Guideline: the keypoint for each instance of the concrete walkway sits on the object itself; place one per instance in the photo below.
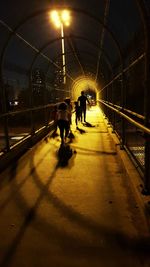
(83, 215)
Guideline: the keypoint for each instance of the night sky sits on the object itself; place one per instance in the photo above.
(123, 22)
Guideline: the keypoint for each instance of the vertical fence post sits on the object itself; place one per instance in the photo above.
(123, 93)
(3, 102)
(31, 103)
(5, 118)
(114, 117)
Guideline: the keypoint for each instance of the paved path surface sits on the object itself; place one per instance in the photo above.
(82, 215)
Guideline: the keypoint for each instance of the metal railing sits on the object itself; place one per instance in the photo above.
(135, 133)
(117, 109)
(23, 131)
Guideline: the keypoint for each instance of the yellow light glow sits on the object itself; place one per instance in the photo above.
(82, 83)
(67, 23)
(65, 16)
(60, 17)
(54, 16)
(57, 24)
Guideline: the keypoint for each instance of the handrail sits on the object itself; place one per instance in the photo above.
(26, 110)
(127, 110)
(137, 124)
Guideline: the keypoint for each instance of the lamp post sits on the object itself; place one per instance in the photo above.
(61, 18)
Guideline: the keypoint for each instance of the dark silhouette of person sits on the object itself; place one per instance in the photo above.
(63, 121)
(82, 99)
(77, 113)
(69, 108)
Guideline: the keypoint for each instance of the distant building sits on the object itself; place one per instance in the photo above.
(38, 80)
(58, 81)
(38, 86)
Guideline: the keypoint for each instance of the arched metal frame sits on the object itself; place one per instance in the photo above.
(41, 51)
(92, 55)
(45, 10)
(66, 37)
(13, 32)
(145, 19)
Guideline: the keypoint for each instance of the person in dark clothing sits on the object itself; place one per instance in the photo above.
(77, 113)
(82, 99)
(69, 107)
(63, 117)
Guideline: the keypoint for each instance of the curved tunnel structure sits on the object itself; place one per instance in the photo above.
(107, 54)
(86, 84)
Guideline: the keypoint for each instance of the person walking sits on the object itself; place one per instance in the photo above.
(82, 99)
(77, 113)
(69, 108)
(63, 121)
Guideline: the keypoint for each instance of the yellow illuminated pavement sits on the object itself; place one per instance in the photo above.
(82, 215)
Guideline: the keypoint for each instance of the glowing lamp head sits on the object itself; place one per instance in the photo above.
(60, 17)
(55, 18)
(65, 17)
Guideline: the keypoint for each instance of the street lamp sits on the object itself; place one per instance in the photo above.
(61, 18)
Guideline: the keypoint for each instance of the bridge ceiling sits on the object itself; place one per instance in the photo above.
(100, 31)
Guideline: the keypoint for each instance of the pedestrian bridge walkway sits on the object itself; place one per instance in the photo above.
(85, 214)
